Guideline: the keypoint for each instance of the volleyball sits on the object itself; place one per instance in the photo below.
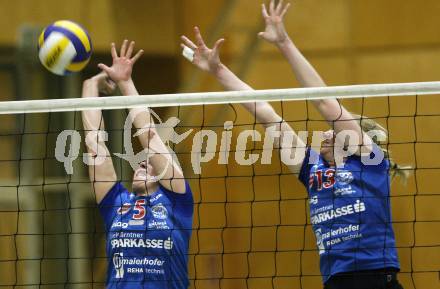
(64, 47)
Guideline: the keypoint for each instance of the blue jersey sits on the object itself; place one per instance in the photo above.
(147, 238)
(350, 213)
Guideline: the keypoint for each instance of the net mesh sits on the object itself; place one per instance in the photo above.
(251, 225)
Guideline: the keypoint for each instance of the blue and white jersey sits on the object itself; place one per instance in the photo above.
(350, 214)
(147, 238)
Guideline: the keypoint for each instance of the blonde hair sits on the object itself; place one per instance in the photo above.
(368, 124)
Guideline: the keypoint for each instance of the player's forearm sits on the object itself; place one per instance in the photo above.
(304, 72)
(263, 111)
(144, 124)
(140, 116)
(330, 109)
(93, 123)
(307, 76)
(127, 87)
(92, 119)
(229, 80)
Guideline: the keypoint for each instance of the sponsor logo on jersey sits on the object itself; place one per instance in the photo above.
(123, 234)
(344, 191)
(313, 200)
(135, 265)
(340, 231)
(142, 243)
(162, 225)
(338, 212)
(118, 264)
(126, 207)
(142, 261)
(136, 222)
(336, 236)
(120, 225)
(159, 211)
(344, 177)
(319, 241)
(155, 198)
(321, 209)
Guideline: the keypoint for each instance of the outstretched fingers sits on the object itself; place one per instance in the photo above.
(279, 7)
(123, 48)
(188, 42)
(137, 56)
(217, 45)
(272, 7)
(264, 11)
(199, 38)
(104, 67)
(130, 49)
(286, 8)
(113, 51)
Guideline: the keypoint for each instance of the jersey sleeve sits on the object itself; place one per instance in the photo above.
(113, 200)
(183, 203)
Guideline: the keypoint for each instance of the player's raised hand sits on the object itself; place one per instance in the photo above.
(274, 31)
(103, 84)
(199, 54)
(122, 66)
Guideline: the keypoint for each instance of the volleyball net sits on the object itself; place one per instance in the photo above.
(251, 226)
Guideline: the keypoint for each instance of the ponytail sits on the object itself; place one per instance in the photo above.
(367, 124)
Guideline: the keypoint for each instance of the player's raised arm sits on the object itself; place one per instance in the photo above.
(164, 166)
(208, 60)
(335, 114)
(101, 171)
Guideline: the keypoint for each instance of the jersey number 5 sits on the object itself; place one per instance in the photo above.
(139, 208)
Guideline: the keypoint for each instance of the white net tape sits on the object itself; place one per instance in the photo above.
(183, 99)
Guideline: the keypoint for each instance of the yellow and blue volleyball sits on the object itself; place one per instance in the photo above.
(64, 47)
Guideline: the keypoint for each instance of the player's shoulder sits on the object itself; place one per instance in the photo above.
(313, 159)
(179, 198)
(373, 161)
(117, 193)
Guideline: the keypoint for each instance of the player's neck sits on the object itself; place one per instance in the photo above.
(150, 189)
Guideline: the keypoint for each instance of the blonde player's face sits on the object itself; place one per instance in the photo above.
(140, 180)
(327, 146)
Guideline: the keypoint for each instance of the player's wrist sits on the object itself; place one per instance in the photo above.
(283, 42)
(127, 86)
(123, 83)
(97, 79)
(93, 81)
(88, 82)
(218, 69)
